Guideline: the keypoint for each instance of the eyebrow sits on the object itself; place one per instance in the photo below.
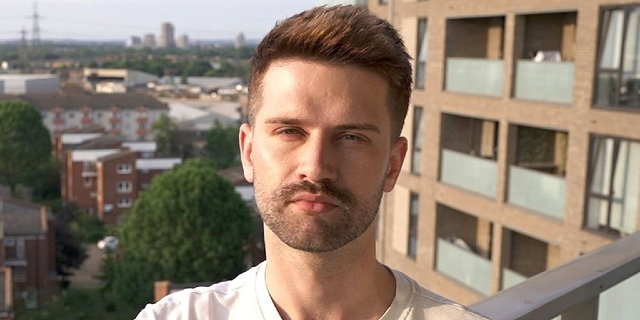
(347, 126)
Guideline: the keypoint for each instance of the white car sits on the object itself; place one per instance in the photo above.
(109, 242)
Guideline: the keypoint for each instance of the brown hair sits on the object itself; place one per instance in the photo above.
(342, 35)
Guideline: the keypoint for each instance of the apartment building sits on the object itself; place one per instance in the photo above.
(524, 139)
(28, 271)
(104, 175)
(127, 115)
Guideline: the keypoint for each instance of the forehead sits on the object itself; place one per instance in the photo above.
(307, 88)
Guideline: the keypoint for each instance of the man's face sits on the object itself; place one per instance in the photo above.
(320, 152)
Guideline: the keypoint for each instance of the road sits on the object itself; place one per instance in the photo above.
(90, 269)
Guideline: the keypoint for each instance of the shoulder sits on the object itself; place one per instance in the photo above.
(213, 302)
(424, 304)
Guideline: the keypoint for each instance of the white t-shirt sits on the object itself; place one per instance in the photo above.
(247, 297)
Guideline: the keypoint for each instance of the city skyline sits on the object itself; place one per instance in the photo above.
(118, 20)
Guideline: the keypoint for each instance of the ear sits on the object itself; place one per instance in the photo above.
(398, 152)
(246, 151)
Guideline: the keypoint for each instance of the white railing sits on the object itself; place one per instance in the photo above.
(537, 191)
(603, 284)
(464, 266)
(469, 172)
(475, 76)
(545, 81)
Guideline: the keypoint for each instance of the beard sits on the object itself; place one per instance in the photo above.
(311, 232)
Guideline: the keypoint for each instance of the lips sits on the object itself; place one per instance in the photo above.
(314, 203)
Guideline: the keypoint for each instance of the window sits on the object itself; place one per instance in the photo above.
(20, 248)
(99, 115)
(416, 147)
(123, 168)
(87, 181)
(142, 137)
(115, 126)
(9, 242)
(20, 274)
(423, 47)
(145, 186)
(414, 207)
(618, 69)
(614, 185)
(124, 186)
(71, 114)
(143, 126)
(124, 202)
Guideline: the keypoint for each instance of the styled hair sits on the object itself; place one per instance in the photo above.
(342, 35)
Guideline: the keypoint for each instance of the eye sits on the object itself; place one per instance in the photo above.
(289, 133)
(352, 138)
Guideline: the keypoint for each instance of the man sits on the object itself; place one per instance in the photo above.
(328, 95)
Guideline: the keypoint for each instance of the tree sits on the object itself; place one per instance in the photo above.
(222, 146)
(69, 250)
(190, 226)
(165, 136)
(25, 144)
(170, 141)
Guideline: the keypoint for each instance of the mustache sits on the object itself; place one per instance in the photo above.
(342, 196)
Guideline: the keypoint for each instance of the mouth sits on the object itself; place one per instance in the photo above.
(314, 203)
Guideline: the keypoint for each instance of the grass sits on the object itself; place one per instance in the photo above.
(80, 304)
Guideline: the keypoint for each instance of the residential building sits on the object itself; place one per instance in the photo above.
(240, 41)
(134, 42)
(104, 175)
(183, 42)
(127, 115)
(167, 37)
(29, 253)
(524, 140)
(149, 40)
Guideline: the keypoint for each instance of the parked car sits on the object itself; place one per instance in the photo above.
(109, 243)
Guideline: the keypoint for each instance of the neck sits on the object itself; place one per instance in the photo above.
(332, 285)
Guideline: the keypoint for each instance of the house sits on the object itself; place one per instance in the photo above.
(105, 175)
(29, 252)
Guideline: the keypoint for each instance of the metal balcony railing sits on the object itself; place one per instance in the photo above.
(603, 284)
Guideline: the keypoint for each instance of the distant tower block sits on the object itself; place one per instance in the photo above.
(167, 38)
(134, 42)
(149, 40)
(240, 41)
(183, 42)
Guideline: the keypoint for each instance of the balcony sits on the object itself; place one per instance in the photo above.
(475, 76)
(464, 266)
(537, 191)
(469, 172)
(600, 285)
(545, 81)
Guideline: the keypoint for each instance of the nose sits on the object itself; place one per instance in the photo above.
(317, 160)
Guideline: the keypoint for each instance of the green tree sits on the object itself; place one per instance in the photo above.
(222, 146)
(69, 250)
(25, 144)
(190, 226)
(171, 142)
(164, 130)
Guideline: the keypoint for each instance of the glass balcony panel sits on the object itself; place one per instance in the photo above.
(470, 173)
(510, 278)
(536, 191)
(545, 81)
(621, 301)
(475, 76)
(464, 266)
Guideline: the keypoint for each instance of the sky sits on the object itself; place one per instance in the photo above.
(120, 19)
